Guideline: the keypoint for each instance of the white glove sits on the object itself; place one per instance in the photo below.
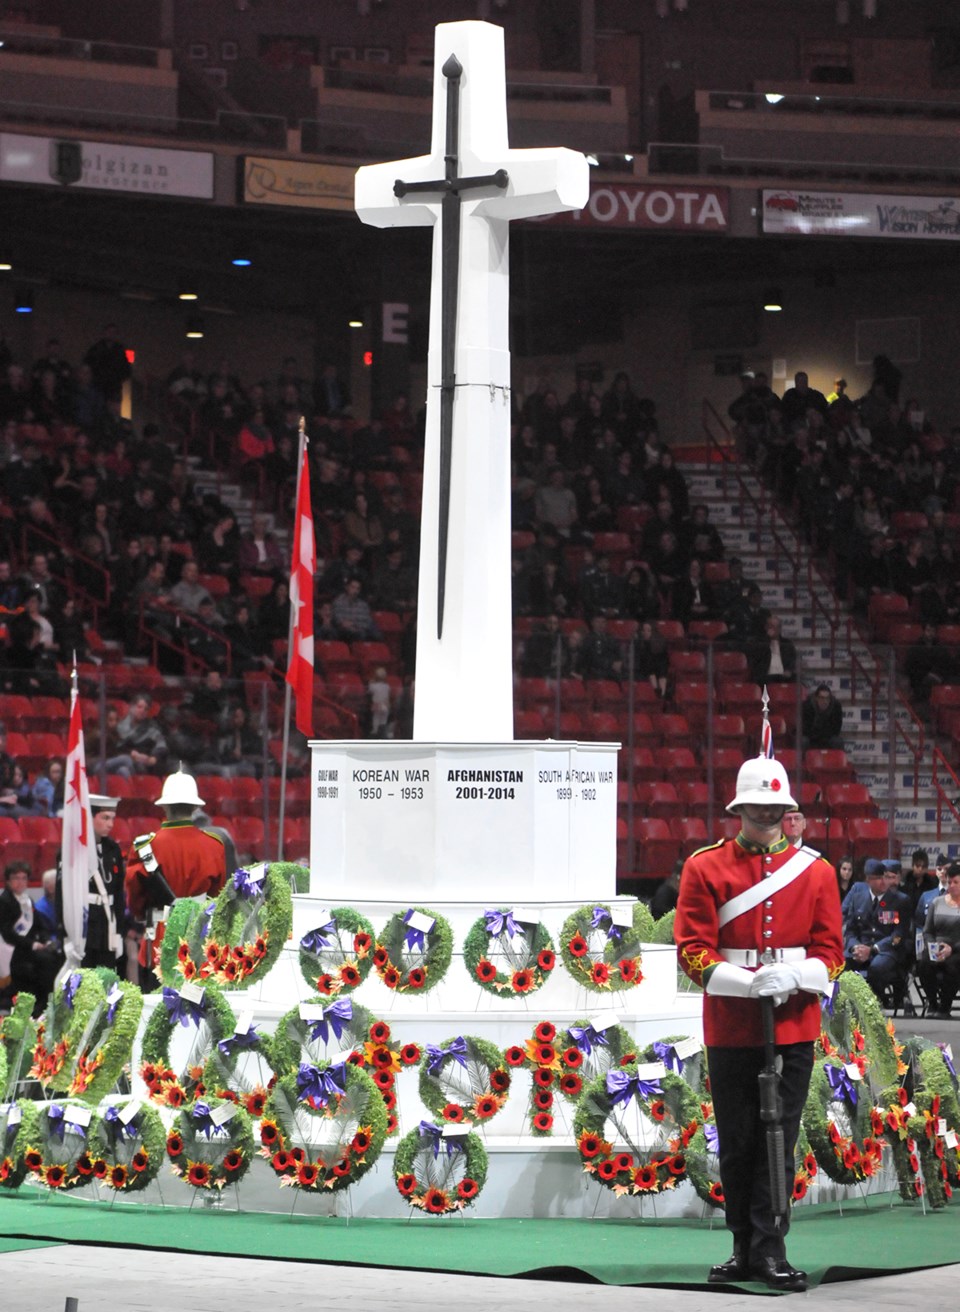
(814, 977)
(729, 981)
(777, 980)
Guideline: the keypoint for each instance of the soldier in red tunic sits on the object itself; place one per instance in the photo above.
(756, 917)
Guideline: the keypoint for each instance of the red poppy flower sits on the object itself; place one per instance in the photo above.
(627, 1058)
(628, 970)
(307, 1175)
(361, 1142)
(118, 1175)
(573, 1058)
(918, 1188)
(546, 1054)
(589, 1145)
(914, 1163)
(607, 1170)
(903, 1096)
(269, 1134)
(657, 1109)
(389, 1099)
(383, 1079)
(677, 1164)
(260, 946)
(716, 1192)
(350, 975)
(515, 1056)
(499, 1080)
(467, 1189)
(545, 1032)
(342, 1169)
(391, 977)
(355, 1058)
(175, 1096)
(298, 1155)
(281, 1161)
(174, 1145)
(84, 1166)
(233, 1160)
(229, 970)
(624, 1161)
(645, 1178)
(380, 956)
(600, 972)
(392, 1124)
(381, 1057)
(189, 970)
(406, 1184)
(255, 1102)
(361, 943)
(148, 1072)
(485, 1107)
(578, 946)
(522, 981)
(799, 1188)
(547, 959)
(139, 1161)
(324, 985)
(212, 952)
(542, 1099)
(571, 1084)
(183, 951)
(199, 1175)
(810, 1165)
(453, 1112)
(485, 971)
(436, 1201)
(543, 1077)
(417, 978)
(6, 1166)
(851, 1156)
(876, 1121)
(99, 1168)
(410, 1054)
(893, 1120)
(379, 1031)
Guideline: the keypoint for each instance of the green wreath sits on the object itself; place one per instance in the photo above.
(125, 1152)
(58, 1155)
(336, 957)
(463, 1079)
(104, 1048)
(19, 1128)
(208, 1153)
(527, 951)
(662, 931)
(410, 960)
(439, 1175)
(341, 1100)
(64, 1023)
(187, 927)
(225, 1070)
(251, 922)
(599, 955)
(213, 1020)
(18, 1036)
(890, 1119)
(664, 1104)
(913, 1132)
(837, 1117)
(854, 1028)
(561, 1062)
(339, 1027)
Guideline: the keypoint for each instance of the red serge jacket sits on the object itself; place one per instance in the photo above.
(805, 914)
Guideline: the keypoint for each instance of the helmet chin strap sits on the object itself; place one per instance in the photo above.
(757, 830)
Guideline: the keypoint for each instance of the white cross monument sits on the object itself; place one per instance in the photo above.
(470, 186)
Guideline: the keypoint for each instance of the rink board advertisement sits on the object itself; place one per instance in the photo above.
(834, 213)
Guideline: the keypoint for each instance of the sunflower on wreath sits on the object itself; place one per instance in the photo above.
(204, 1017)
(19, 1128)
(463, 1080)
(124, 1147)
(104, 1048)
(335, 958)
(507, 957)
(562, 1060)
(58, 1155)
(599, 953)
(72, 1003)
(251, 921)
(439, 1173)
(181, 956)
(323, 1127)
(413, 950)
(649, 1111)
(837, 1117)
(210, 1145)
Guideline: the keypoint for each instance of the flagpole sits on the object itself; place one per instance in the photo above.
(301, 448)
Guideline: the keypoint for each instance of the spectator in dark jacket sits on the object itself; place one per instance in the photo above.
(822, 719)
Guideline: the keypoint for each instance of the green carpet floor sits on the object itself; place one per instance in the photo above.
(866, 1240)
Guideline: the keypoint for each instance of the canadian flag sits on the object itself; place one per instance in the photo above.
(78, 852)
(300, 666)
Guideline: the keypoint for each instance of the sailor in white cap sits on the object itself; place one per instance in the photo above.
(106, 913)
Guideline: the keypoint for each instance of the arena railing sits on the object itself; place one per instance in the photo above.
(945, 803)
(33, 538)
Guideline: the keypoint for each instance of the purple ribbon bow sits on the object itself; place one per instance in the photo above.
(829, 1000)
(587, 1038)
(498, 921)
(946, 1058)
(181, 1010)
(239, 1042)
(248, 884)
(205, 919)
(434, 1134)
(712, 1136)
(414, 938)
(334, 1018)
(624, 1087)
(457, 1049)
(202, 1115)
(316, 940)
(56, 1115)
(70, 986)
(317, 1087)
(114, 998)
(600, 914)
(112, 1117)
(666, 1053)
(841, 1085)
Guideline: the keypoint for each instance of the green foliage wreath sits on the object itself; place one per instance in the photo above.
(207, 1153)
(182, 955)
(72, 1003)
(562, 1060)
(411, 961)
(336, 957)
(438, 1175)
(344, 1026)
(839, 1121)
(495, 940)
(464, 1079)
(18, 1035)
(209, 1021)
(599, 955)
(251, 922)
(19, 1128)
(59, 1154)
(125, 1152)
(105, 1046)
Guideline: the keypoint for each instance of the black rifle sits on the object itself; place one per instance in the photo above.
(771, 1113)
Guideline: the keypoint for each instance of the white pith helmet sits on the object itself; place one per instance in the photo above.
(762, 781)
(179, 789)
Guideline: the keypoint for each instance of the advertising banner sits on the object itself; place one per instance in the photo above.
(832, 214)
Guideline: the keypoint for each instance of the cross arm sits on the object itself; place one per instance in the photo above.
(376, 202)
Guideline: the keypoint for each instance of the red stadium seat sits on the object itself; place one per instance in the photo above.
(828, 766)
(690, 832)
(640, 764)
(39, 829)
(694, 796)
(869, 837)
(658, 800)
(684, 664)
(885, 609)
(528, 725)
(601, 727)
(849, 801)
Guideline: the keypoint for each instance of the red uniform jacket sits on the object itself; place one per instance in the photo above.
(191, 860)
(805, 914)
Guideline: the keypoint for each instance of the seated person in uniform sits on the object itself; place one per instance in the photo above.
(877, 932)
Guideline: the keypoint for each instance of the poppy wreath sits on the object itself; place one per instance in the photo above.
(58, 1034)
(59, 1154)
(890, 1118)
(854, 1028)
(337, 1028)
(19, 1127)
(346, 1106)
(665, 1109)
(497, 940)
(464, 1079)
(411, 960)
(107, 1042)
(703, 1169)
(18, 1037)
(922, 1137)
(335, 958)
(599, 955)
(239, 1069)
(437, 1175)
(383, 1059)
(125, 1152)
(251, 922)
(562, 1061)
(837, 1117)
(207, 1151)
(206, 1022)
(181, 953)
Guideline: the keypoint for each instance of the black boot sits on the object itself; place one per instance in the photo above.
(736, 1267)
(777, 1273)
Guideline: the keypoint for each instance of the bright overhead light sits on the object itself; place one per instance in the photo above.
(773, 301)
(195, 327)
(23, 301)
(773, 97)
(240, 261)
(186, 293)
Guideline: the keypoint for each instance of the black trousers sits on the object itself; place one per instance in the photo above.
(744, 1173)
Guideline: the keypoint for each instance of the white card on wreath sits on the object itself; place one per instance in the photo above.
(941, 1126)
(601, 1023)
(911, 1109)
(651, 1070)
(526, 916)
(621, 915)
(310, 1011)
(14, 1115)
(685, 1048)
(418, 921)
(324, 917)
(244, 1021)
(853, 1070)
(191, 992)
(126, 1114)
(455, 1131)
(226, 1112)
(950, 1139)
(78, 1116)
